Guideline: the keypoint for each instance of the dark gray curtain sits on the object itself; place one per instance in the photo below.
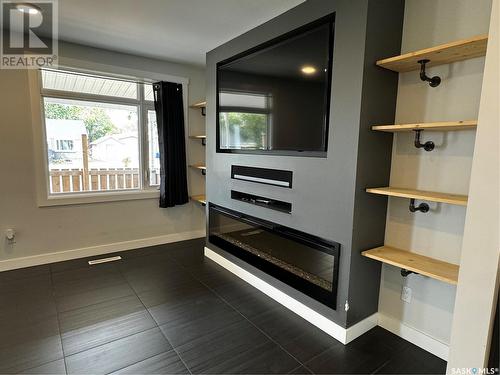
(170, 119)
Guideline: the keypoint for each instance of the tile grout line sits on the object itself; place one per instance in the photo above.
(134, 293)
(50, 272)
(126, 336)
(58, 319)
(121, 368)
(381, 366)
(93, 304)
(296, 368)
(176, 259)
(112, 341)
(259, 329)
(58, 326)
(303, 364)
(252, 323)
(157, 326)
(109, 342)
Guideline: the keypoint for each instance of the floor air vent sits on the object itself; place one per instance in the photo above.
(104, 260)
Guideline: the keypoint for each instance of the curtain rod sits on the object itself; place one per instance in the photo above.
(96, 75)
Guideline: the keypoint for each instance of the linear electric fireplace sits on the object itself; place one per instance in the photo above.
(305, 262)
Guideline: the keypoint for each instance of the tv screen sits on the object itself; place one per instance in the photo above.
(275, 98)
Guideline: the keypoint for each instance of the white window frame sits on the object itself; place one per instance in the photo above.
(59, 142)
(37, 94)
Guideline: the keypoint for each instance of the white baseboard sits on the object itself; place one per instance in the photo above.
(333, 329)
(361, 327)
(416, 337)
(58, 256)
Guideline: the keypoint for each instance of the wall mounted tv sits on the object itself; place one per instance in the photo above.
(275, 98)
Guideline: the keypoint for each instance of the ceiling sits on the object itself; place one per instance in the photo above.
(175, 30)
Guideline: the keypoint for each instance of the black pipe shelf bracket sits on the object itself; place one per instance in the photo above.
(204, 172)
(427, 146)
(433, 81)
(405, 272)
(422, 207)
(203, 141)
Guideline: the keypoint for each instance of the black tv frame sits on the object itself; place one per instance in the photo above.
(329, 19)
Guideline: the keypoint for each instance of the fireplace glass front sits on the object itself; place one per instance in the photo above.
(303, 261)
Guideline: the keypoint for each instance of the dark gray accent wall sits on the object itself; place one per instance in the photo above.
(328, 193)
(378, 106)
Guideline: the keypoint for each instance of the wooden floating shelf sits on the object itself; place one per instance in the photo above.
(433, 126)
(201, 137)
(420, 264)
(200, 199)
(443, 54)
(199, 166)
(198, 105)
(460, 200)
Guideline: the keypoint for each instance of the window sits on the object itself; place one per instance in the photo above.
(64, 145)
(100, 134)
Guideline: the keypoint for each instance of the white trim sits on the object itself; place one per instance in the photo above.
(39, 138)
(98, 197)
(333, 329)
(361, 327)
(263, 180)
(35, 260)
(421, 339)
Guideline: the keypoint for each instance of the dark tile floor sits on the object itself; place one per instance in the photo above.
(167, 310)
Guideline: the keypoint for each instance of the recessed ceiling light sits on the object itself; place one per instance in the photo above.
(28, 8)
(308, 69)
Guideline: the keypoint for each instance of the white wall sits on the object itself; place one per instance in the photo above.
(478, 280)
(438, 233)
(56, 229)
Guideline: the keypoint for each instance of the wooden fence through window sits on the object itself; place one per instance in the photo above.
(73, 180)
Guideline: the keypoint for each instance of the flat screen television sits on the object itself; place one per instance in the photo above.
(275, 98)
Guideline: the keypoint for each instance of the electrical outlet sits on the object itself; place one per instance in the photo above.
(406, 294)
